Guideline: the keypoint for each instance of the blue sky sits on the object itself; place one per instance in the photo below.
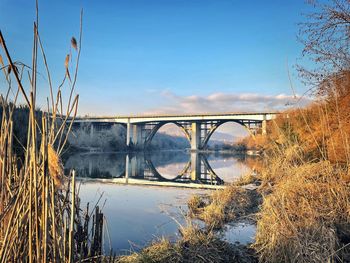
(142, 56)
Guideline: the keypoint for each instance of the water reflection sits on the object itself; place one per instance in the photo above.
(137, 214)
(181, 167)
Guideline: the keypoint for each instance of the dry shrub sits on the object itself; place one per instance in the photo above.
(300, 220)
(322, 128)
(254, 143)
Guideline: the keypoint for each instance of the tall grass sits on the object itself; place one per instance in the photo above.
(39, 212)
(305, 215)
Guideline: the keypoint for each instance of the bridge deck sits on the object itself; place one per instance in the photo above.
(258, 116)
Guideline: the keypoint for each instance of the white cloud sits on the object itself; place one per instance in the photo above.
(225, 102)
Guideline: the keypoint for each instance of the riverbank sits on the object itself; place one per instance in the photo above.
(301, 210)
(195, 245)
(235, 203)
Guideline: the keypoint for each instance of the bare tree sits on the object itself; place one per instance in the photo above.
(326, 39)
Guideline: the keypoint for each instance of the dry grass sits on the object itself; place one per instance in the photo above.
(40, 218)
(248, 178)
(223, 206)
(161, 251)
(304, 216)
(195, 245)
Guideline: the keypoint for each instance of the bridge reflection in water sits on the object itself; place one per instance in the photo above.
(181, 167)
(196, 170)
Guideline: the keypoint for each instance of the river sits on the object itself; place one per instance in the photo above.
(144, 195)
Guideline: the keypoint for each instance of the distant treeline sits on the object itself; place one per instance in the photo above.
(237, 147)
(107, 139)
(114, 139)
(166, 141)
(20, 118)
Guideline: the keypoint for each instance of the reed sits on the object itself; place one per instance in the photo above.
(40, 218)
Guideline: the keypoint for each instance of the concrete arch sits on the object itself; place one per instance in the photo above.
(185, 170)
(159, 176)
(212, 172)
(153, 132)
(215, 127)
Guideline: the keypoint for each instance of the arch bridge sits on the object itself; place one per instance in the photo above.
(198, 128)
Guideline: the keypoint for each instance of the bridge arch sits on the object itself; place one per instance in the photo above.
(163, 178)
(156, 128)
(218, 125)
(186, 174)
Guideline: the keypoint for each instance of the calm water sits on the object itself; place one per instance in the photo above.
(137, 214)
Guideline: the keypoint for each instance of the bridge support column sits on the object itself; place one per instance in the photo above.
(137, 166)
(195, 166)
(133, 164)
(195, 136)
(263, 126)
(128, 134)
(134, 135)
(91, 130)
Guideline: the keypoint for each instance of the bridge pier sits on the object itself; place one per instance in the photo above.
(137, 169)
(195, 166)
(195, 136)
(134, 135)
(92, 131)
(134, 167)
(127, 168)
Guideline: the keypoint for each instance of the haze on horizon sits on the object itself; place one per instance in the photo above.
(154, 56)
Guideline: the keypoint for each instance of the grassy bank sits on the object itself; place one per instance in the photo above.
(203, 244)
(223, 206)
(194, 245)
(305, 214)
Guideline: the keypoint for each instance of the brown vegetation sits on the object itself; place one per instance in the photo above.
(222, 206)
(40, 219)
(305, 212)
(195, 245)
(305, 215)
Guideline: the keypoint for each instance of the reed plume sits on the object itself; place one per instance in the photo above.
(39, 215)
